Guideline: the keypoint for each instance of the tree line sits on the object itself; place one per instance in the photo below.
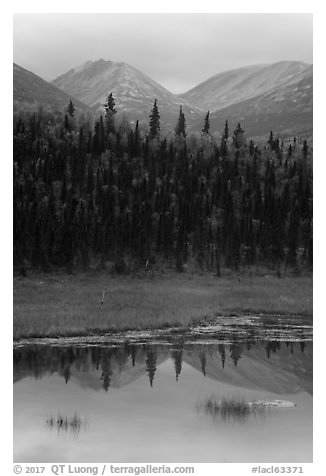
(109, 191)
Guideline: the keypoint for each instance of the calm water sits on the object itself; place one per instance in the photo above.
(145, 402)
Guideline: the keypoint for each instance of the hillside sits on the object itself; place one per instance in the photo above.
(31, 90)
(287, 108)
(231, 87)
(133, 91)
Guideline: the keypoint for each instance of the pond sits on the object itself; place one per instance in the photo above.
(141, 399)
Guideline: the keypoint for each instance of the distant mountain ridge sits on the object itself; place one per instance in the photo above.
(285, 109)
(30, 89)
(230, 87)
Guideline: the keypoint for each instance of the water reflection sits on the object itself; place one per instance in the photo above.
(117, 365)
(139, 401)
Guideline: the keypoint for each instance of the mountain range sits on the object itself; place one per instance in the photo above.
(262, 97)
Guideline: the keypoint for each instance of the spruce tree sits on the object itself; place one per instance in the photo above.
(180, 128)
(226, 130)
(71, 109)
(271, 140)
(238, 136)
(154, 121)
(110, 112)
(206, 127)
(110, 104)
(305, 149)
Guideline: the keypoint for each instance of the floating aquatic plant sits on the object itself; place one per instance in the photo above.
(226, 409)
(65, 423)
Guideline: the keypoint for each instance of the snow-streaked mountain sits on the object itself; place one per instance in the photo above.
(29, 89)
(284, 109)
(230, 87)
(133, 91)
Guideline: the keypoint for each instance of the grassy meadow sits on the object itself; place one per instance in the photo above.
(70, 305)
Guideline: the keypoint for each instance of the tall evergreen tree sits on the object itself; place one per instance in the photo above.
(71, 109)
(206, 127)
(110, 112)
(226, 130)
(154, 121)
(238, 136)
(180, 128)
(110, 104)
(305, 149)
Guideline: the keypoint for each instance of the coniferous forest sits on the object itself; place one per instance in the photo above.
(104, 191)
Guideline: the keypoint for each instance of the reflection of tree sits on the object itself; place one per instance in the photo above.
(202, 357)
(151, 358)
(235, 352)
(272, 346)
(177, 357)
(302, 346)
(250, 341)
(106, 370)
(67, 374)
(133, 354)
(291, 345)
(67, 358)
(82, 360)
(221, 350)
(96, 355)
(121, 356)
(71, 355)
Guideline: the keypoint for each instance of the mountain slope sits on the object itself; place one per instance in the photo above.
(28, 88)
(133, 91)
(230, 87)
(287, 108)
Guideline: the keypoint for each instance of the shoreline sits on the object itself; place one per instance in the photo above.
(90, 304)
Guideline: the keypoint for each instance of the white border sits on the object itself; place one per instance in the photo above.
(319, 178)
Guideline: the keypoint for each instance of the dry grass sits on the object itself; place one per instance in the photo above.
(66, 305)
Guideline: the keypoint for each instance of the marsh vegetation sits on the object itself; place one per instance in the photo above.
(227, 409)
(70, 305)
(66, 424)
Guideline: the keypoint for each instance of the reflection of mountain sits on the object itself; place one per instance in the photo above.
(272, 366)
(90, 367)
(119, 375)
(282, 372)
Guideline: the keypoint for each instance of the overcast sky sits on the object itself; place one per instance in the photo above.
(177, 50)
